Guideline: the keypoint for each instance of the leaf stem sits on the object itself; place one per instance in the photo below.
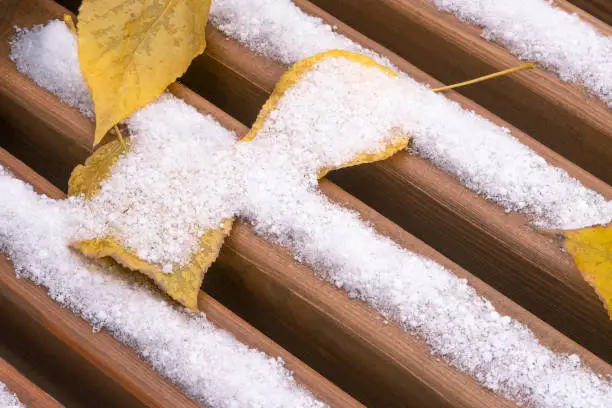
(529, 65)
(120, 137)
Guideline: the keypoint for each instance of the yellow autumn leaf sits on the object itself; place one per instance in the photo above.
(591, 249)
(130, 51)
(295, 74)
(183, 285)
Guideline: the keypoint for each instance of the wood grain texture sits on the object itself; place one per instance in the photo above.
(379, 363)
(27, 392)
(562, 116)
(503, 249)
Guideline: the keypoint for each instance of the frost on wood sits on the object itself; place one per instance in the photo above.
(340, 108)
(8, 399)
(537, 30)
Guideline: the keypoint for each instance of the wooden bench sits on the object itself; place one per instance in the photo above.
(344, 340)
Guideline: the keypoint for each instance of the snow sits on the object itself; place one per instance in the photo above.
(207, 363)
(484, 157)
(8, 399)
(339, 109)
(280, 30)
(128, 201)
(537, 30)
(36, 51)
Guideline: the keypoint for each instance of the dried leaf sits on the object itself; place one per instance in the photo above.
(295, 74)
(70, 24)
(130, 51)
(183, 285)
(591, 249)
(86, 179)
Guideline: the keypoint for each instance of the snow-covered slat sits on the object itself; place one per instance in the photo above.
(135, 380)
(286, 294)
(501, 248)
(32, 306)
(24, 391)
(562, 116)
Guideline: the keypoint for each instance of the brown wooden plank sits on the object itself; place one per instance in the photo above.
(559, 115)
(601, 9)
(28, 393)
(502, 249)
(378, 362)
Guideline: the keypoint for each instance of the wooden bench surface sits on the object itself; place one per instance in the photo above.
(502, 249)
(562, 116)
(342, 339)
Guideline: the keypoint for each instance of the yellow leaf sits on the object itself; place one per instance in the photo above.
(70, 23)
(130, 51)
(86, 179)
(591, 249)
(295, 74)
(183, 285)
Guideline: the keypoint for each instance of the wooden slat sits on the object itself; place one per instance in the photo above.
(28, 393)
(346, 340)
(503, 249)
(117, 361)
(559, 115)
(601, 9)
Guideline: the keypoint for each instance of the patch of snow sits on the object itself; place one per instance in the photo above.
(8, 399)
(207, 363)
(35, 50)
(486, 158)
(539, 31)
(280, 30)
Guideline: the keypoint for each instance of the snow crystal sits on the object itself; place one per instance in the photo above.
(207, 363)
(340, 108)
(537, 30)
(486, 158)
(8, 399)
